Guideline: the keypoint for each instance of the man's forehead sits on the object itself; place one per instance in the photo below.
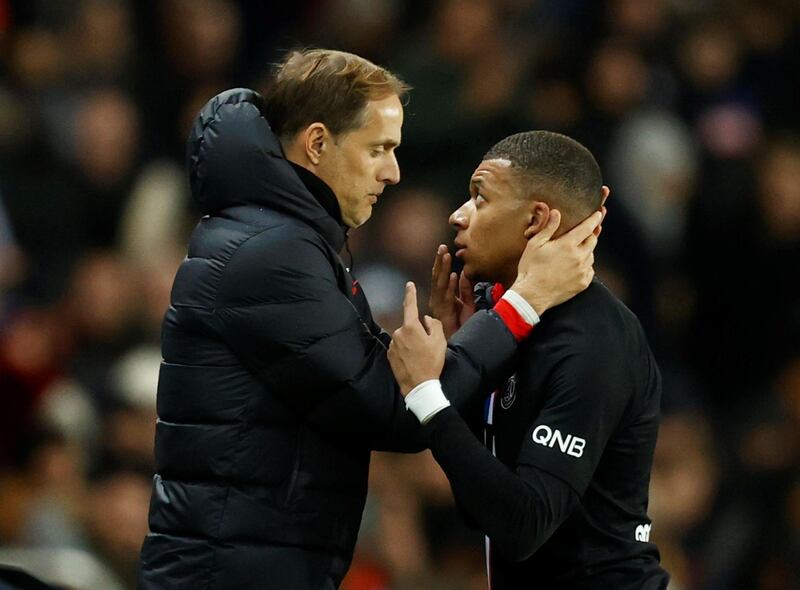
(383, 121)
(388, 108)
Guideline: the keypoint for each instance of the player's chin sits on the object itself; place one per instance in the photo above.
(471, 272)
(479, 273)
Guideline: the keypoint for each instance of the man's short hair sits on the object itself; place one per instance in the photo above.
(557, 170)
(327, 86)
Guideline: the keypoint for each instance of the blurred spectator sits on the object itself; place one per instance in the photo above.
(652, 166)
(12, 260)
(465, 82)
(616, 83)
(33, 355)
(130, 417)
(742, 252)
(412, 225)
(118, 501)
(398, 247)
(191, 58)
(703, 532)
(363, 27)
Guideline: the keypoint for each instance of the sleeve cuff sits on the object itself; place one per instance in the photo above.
(426, 400)
(517, 314)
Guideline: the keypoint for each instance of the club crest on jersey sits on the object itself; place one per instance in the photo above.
(509, 392)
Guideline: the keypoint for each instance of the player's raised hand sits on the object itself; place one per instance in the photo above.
(443, 302)
(417, 351)
(451, 301)
(466, 299)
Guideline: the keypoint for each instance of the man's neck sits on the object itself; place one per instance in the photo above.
(295, 154)
(320, 191)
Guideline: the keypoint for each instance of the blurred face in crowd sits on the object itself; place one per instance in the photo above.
(685, 474)
(617, 78)
(358, 164)
(465, 29)
(491, 225)
(117, 517)
(411, 226)
(201, 36)
(779, 191)
(107, 136)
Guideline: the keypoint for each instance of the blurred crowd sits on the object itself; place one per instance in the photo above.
(692, 108)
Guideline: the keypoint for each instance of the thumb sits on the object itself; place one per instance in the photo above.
(433, 327)
(553, 221)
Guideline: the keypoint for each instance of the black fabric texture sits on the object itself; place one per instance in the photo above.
(517, 514)
(573, 428)
(275, 385)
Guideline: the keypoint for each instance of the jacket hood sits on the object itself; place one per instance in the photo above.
(233, 158)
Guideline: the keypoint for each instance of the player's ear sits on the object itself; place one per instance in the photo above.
(604, 195)
(538, 214)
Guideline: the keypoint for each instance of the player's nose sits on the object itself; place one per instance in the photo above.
(459, 218)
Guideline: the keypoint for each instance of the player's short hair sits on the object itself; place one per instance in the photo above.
(556, 169)
(327, 86)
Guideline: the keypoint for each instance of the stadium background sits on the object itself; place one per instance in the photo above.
(691, 107)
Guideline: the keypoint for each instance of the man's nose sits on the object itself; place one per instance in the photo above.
(459, 218)
(390, 173)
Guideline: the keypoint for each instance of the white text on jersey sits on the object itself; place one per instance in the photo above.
(548, 437)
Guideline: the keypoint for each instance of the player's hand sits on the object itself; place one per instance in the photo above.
(466, 299)
(452, 301)
(553, 271)
(417, 350)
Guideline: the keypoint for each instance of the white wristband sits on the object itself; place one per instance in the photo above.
(523, 308)
(426, 400)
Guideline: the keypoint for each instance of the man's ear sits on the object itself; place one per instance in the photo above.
(314, 139)
(539, 214)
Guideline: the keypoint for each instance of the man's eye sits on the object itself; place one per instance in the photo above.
(479, 199)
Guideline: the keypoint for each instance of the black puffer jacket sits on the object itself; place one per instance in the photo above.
(275, 384)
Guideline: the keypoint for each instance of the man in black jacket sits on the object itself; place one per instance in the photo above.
(275, 384)
(560, 485)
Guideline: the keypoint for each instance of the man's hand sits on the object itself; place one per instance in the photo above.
(450, 308)
(416, 352)
(552, 271)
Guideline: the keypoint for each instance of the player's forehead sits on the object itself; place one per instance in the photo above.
(490, 172)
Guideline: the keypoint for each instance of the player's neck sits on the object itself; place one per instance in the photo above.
(507, 278)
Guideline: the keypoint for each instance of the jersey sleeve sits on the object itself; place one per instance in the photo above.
(585, 398)
(517, 511)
